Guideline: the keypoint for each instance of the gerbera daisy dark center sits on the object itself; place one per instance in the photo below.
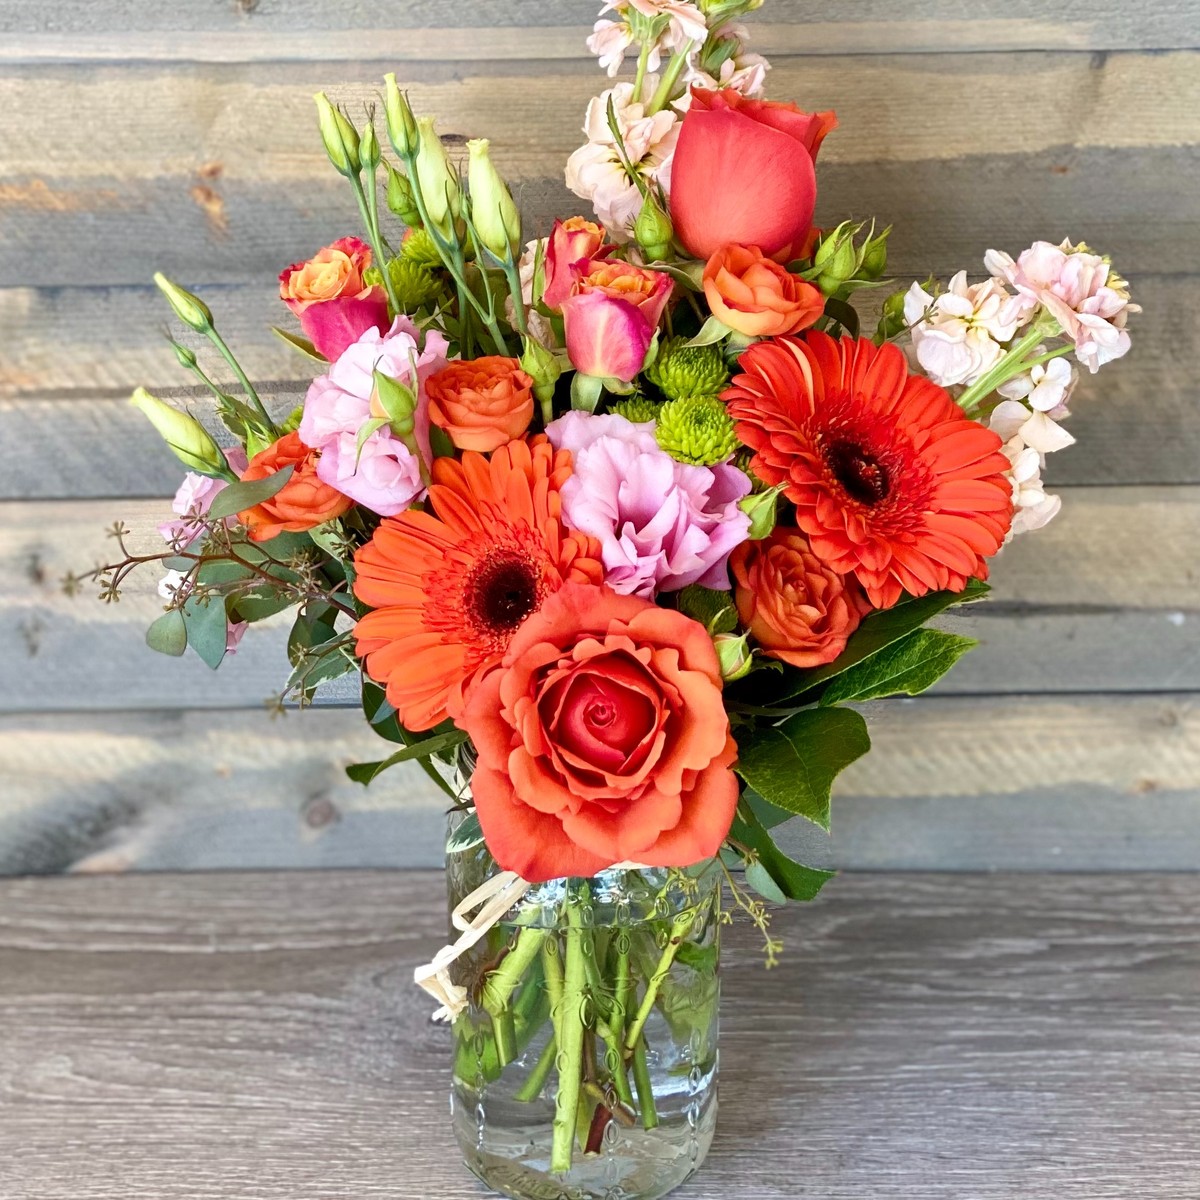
(863, 476)
(502, 591)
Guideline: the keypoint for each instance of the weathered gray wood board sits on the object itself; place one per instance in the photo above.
(932, 1037)
(1016, 782)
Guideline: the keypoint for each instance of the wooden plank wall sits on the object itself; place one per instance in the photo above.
(155, 134)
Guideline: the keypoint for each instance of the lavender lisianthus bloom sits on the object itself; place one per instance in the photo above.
(383, 474)
(661, 524)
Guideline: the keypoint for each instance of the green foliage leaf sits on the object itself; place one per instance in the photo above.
(908, 666)
(773, 874)
(299, 343)
(237, 497)
(168, 635)
(713, 609)
(846, 315)
(711, 332)
(314, 626)
(383, 719)
(365, 772)
(793, 765)
(207, 629)
(467, 836)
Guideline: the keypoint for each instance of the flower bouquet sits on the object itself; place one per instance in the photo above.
(618, 526)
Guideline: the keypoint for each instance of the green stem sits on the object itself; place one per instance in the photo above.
(640, 78)
(670, 78)
(512, 275)
(368, 206)
(531, 1089)
(680, 927)
(499, 986)
(1010, 365)
(644, 1085)
(570, 1041)
(1044, 358)
(228, 355)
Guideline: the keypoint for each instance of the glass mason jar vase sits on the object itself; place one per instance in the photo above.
(586, 1062)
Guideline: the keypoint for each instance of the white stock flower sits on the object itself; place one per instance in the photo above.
(1046, 387)
(743, 71)
(595, 172)
(1078, 289)
(1028, 438)
(680, 22)
(609, 42)
(958, 334)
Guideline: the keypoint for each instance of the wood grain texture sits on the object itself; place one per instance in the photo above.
(199, 171)
(248, 30)
(940, 1037)
(1017, 782)
(67, 411)
(1088, 624)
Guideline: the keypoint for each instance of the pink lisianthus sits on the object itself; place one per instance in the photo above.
(661, 524)
(234, 632)
(328, 294)
(611, 315)
(193, 500)
(1078, 289)
(383, 474)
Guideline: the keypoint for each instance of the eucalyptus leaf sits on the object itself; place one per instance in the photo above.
(364, 773)
(238, 497)
(907, 667)
(772, 873)
(207, 629)
(793, 765)
(467, 836)
(168, 635)
(299, 343)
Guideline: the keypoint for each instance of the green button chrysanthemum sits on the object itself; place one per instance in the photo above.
(697, 430)
(418, 247)
(414, 285)
(681, 370)
(637, 408)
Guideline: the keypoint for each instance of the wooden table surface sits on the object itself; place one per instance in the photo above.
(257, 1037)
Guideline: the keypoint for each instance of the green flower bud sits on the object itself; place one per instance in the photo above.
(760, 508)
(401, 124)
(697, 430)
(188, 439)
(293, 421)
(436, 178)
(497, 219)
(837, 258)
(420, 248)
(190, 309)
(400, 198)
(653, 230)
(187, 357)
(874, 255)
(637, 408)
(543, 367)
(892, 321)
(733, 653)
(339, 136)
(681, 370)
(368, 147)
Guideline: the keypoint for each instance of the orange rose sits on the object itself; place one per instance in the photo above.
(481, 403)
(797, 608)
(757, 297)
(302, 503)
(602, 737)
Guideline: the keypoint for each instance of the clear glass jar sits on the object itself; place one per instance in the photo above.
(586, 1063)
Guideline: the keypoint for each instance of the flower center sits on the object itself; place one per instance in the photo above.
(863, 476)
(502, 591)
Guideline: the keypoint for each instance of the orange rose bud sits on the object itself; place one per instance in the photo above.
(750, 293)
(798, 609)
(302, 503)
(482, 403)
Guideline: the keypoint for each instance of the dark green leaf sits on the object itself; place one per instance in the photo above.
(793, 765)
(365, 772)
(207, 629)
(314, 626)
(238, 497)
(772, 874)
(908, 666)
(467, 836)
(713, 609)
(846, 315)
(168, 635)
(768, 814)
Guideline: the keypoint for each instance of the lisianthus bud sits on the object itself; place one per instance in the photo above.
(543, 368)
(681, 370)
(733, 654)
(368, 147)
(187, 357)
(636, 408)
(653, 230)
(400, 198)
(402, 126)
(436, 177)
(188, 439)
(497, 219)
(696, 430)
(892, 321)
(760, 507)
(396, 403)
(190, 309)
(339, 136)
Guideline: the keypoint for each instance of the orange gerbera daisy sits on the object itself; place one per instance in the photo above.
(892, 482)
(449, 590)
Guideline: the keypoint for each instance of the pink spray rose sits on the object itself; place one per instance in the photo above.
(327, 293)
(193, 500)
(610, 316)
(574, 240)
(662, 524)
(383, 474)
